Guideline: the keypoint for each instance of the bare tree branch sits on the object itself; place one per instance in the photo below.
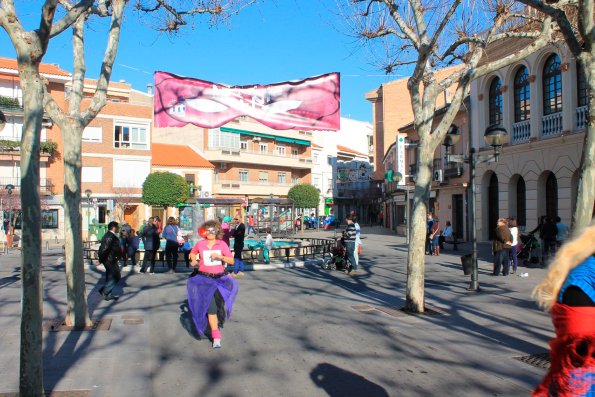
(73, 13)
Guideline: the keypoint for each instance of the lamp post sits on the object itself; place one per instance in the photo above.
(9, 188)
(495, 135)
(88, 194)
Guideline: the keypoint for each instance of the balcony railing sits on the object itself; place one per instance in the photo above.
(582, 114)
(552, 124)
(45, 184)
(521, 131)
(256, 157)
(453, 170)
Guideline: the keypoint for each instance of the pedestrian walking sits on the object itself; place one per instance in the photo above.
(501, 247)
(539, 230)
(251, 228)
(211, 293)
(514, 232)
(238, 246)
(435, 230)
(173, 240)
(186, 248)
(358, 240)
(550, 232)
(109, 254)
(429, 224)
(226, 229)
(563, 232)
(568, 293)
(124, 245)
(132, 246)
(268, 246)
(151, 243)
(349, 239)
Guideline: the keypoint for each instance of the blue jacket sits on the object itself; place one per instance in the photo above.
(151, 238)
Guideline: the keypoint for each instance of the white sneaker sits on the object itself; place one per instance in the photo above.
(217, 343)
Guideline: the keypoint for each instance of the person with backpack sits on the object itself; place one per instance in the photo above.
(172, 235)
(109, 254)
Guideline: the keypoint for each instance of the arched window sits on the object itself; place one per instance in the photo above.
(521, 202)
(552, 86)
(495, 102)
(581, 86)
(522, 95)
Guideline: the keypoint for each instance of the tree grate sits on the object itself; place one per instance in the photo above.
(57, 393)
(133, 319)
(60, 325)
(397, 312)
(540, 360)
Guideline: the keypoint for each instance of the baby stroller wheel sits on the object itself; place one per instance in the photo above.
(325, 264)
(332, 265)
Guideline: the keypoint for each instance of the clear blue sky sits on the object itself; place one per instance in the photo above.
(272, 41)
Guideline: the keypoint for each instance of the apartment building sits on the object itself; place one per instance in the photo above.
(542, 102)
(343, 172)
(188, 163)
(51, 179)
(391, 110)
(250, 159)
(117, 156)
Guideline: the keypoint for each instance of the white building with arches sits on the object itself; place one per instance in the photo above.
(542, 103)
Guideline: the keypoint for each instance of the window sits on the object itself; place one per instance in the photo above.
(552, 86)
(263, 148)
(330, 183)
(294, 153)
(190, 178)
(295, 180)
(522, 95)
(581, 86)
(281, 150)
(263, 177)
(315, 158)
(243, 175)
(281, 177)
(131, 173)
(329, 160)
(316, 182)
(131, 137)
(49, 219)
(223, 140)
(495, 102)
(92, 134)
(216, 176)
(243, 144)
(91, 174)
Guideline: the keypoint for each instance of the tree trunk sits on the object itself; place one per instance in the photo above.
(31, 353)
(416, 256)
(77, 313)
(585, 199)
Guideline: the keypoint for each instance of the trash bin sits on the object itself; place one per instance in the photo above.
(96, 231)
(467, 262)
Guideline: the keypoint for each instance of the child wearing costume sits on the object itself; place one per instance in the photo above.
(211, 293)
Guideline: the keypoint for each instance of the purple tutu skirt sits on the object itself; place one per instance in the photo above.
(201, 291)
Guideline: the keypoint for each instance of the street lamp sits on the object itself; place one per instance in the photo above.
(9, 188)
(495, 135)
(88, 194)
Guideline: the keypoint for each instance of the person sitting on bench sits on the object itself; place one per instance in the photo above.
(449, 235)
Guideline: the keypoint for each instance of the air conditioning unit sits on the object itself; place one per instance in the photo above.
(206, 194)
(438, 176)
(256, 139)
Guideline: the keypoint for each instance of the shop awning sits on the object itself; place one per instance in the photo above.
(269, 136)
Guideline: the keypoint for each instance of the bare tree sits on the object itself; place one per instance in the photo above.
(31, 47)
(575, 21)
(427, 36)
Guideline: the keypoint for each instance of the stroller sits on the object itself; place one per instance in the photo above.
(338, 259)
(528, 250)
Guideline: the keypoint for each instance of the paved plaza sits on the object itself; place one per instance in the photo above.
(294, 332)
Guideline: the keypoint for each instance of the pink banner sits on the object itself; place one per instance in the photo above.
(310, 104)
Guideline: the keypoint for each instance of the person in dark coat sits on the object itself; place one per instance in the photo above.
(238, 245)
(501, 248)
(133, 244)
(109, 254)
(550, 232)
(150, 238)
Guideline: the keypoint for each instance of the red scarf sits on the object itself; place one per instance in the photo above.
(572, 351)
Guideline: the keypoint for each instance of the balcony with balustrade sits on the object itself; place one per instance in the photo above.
(251, 188)
(245, 156)
(46, 188)
(521, 131)
(582, 114)
(551, 125)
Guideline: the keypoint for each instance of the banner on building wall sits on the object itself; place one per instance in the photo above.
(401, 158)
(310, 104)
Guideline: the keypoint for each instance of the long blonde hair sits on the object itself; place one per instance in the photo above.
(570, 255)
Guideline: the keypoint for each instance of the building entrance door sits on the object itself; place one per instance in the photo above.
(457, 215)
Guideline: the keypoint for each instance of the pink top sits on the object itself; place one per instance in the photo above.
(250, 221)
(206, 264)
